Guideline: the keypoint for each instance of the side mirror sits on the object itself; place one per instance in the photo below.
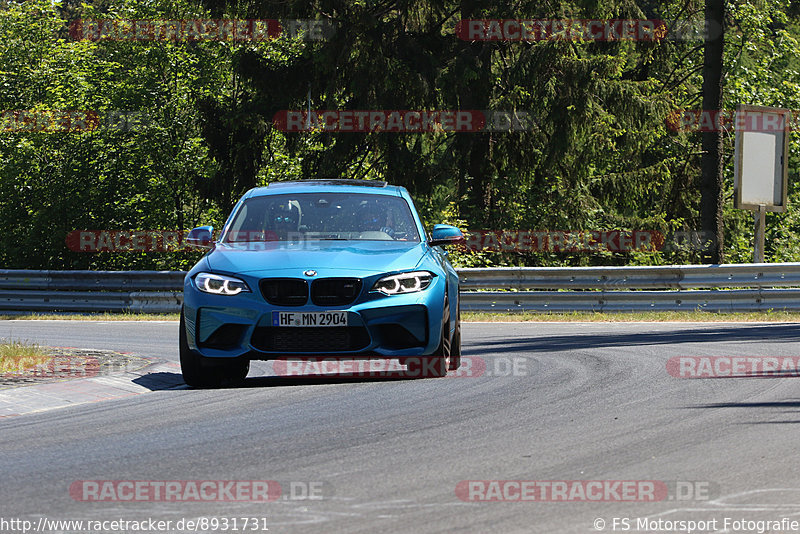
(444, 234)
(200, 237)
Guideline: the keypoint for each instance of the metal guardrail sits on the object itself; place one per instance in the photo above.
(91, 280)
(761, 275)
(714, 288)
(746, 300)
(91, 291)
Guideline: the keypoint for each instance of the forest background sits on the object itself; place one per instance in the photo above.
(187, 126)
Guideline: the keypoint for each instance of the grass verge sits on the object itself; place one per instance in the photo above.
(18, 356)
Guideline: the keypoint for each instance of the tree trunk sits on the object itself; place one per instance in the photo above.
(711, 163)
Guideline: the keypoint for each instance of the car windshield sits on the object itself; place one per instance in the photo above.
(323, 216)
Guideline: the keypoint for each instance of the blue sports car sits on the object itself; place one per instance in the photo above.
(320, 268)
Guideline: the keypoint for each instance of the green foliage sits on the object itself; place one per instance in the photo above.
(600, 157)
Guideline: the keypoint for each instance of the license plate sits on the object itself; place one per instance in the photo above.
(324, 319)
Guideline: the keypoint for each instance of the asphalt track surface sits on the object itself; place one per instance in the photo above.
(587, 402)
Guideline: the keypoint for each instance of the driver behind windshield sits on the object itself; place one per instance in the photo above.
(284, 220)
(372, 222)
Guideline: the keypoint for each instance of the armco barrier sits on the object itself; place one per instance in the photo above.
(715, 288)
(91, 291)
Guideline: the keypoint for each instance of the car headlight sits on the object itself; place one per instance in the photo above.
(219, 284)
(403, 283)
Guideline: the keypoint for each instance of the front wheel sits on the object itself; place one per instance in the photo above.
(235, 372)
(437, 364)
(198, 374)
(427, 367)
(455, 349)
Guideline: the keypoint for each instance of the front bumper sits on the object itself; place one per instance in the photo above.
(381, 326)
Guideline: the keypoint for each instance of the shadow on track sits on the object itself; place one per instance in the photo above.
(159, 381)
(782, 405)
(326, 379)
(173, 381)
(771, 404)
(774, 333)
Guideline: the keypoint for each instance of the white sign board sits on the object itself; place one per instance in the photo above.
(762, 150)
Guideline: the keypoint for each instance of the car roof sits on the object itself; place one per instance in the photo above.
(328, 185)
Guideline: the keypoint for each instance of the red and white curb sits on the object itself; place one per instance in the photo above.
(53, 395)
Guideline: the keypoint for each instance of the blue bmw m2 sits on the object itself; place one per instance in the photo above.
(320, 268)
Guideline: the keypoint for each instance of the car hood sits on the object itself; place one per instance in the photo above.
(360, 256)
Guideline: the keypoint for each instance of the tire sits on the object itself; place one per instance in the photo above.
(437, 364)
(235, 373)
(455, 345)
(198, 374)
